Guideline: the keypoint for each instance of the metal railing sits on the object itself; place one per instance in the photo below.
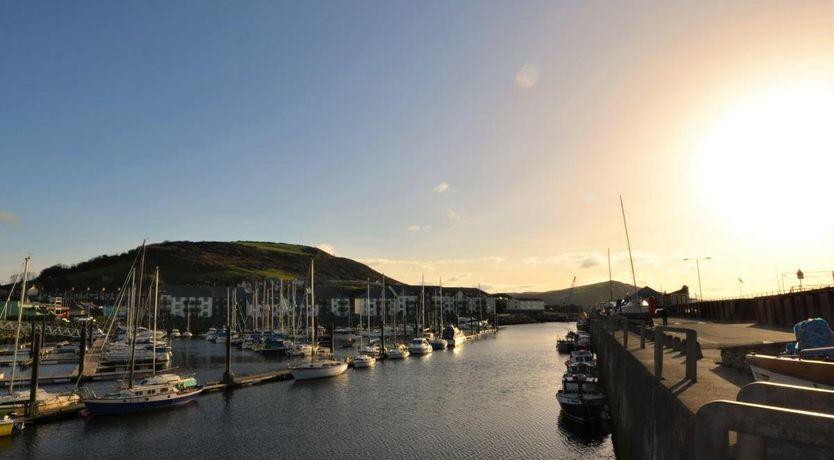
(690, 349)
(716, 419)
(752, 447)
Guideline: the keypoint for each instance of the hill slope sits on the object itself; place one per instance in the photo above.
(590, 294)
(212, 263)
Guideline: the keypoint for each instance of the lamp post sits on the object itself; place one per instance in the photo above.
(698, 268)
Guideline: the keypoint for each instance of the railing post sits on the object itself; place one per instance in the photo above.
(642, 335)
(625, 333)
(658, 353)
(692, 355)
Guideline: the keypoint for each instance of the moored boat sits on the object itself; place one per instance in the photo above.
(363, 361)
(580, 398)
(419, 346)
(454, 337)
(157, 392)
(792, 370)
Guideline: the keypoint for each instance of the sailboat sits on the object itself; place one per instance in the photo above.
(365, 359)
(46, 401)
(154, 392)
(419, 345)
(316, 368)
(439, 343)
(635, 308)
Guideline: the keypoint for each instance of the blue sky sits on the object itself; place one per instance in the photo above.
(334, 124)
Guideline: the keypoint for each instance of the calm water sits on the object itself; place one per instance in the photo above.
(493, 398)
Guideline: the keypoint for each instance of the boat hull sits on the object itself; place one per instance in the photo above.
(791, 371)
(318, 372)
(581, 407)
(129, 405)
(420, 350)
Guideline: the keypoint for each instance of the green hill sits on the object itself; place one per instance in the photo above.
(212, 263)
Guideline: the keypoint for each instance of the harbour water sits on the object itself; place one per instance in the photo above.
(492, 398)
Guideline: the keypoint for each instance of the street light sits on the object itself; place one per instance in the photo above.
(698, 267)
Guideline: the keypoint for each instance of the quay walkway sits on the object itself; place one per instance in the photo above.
(663, 398)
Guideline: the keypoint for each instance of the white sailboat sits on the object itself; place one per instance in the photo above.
(316, 368)
(364, 359)
(155, 392)
(45, 401)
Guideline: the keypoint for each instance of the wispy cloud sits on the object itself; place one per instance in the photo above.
(328, 248)
(592, 259)
(527, 77)
(419, 228)
(8, 218)
(453, 215)
(442, 187)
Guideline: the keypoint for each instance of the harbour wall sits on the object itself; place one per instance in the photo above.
(783, 310)
(650, 422)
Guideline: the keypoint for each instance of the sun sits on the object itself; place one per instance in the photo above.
(765, 170)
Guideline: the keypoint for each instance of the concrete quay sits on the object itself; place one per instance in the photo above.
(661, 418)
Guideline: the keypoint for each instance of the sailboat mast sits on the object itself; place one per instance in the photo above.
(384, 311)
(138, 302)
(19, 320)
(610, 282)
(628, 242)
(155, 309)
(313, 302)
(442, 307)
(422, 303)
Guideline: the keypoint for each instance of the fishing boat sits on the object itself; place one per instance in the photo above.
(419, 346)
(454, 337)
(580, 397)
(581, 356)
(154, 392)
(567, 343)
(317, 368)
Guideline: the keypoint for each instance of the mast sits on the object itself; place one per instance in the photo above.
(187, 317)
(138, 301)
(155, 309)
(19, 320)
(384, 312)
(313, 303)
(610, 282)
(628, 242)
(442, 307)
(422, 303)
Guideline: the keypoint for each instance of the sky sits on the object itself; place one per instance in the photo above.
(481, 143)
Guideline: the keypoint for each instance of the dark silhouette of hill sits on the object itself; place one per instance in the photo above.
(212, 263)
(590, 294)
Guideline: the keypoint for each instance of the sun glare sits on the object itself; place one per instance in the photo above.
(771, 155)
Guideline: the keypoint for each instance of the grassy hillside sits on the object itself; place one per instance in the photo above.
(590, 294)
(211, 263)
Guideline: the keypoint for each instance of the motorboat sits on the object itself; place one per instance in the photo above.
(186, 335)
(363, 361)
(454, 337)
(156, 392)
(792, 370)
(808, 362)
(8, 425)
(419, 346)
(175, 334)
(318, 369)
(438, 343)
(580, 397)
(396, 352)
